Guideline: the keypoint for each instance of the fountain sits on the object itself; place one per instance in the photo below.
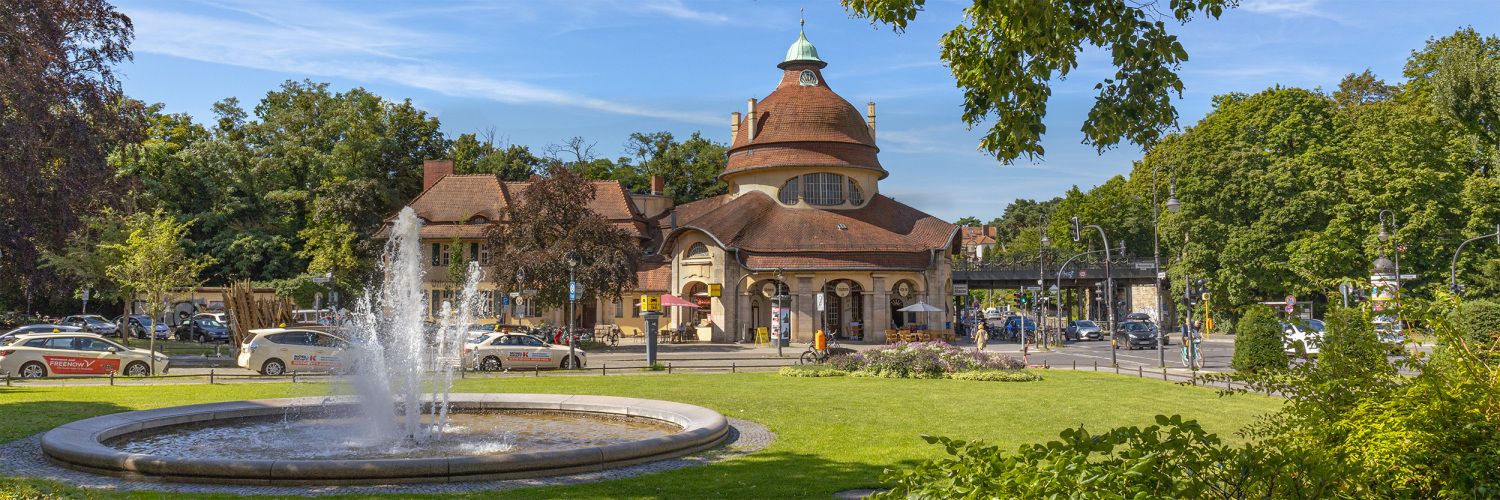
(402, 422)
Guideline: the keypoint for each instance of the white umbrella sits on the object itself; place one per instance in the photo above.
(920, 307)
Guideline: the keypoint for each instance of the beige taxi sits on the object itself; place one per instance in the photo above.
(38, 355)
(276, 351)
(514, 351)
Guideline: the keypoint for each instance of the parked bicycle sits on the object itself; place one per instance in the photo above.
(813, 355)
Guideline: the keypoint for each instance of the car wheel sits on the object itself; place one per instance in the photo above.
(490, 364)
(201, 338)
(33, 370)
(570, 363)
(273, 367)
(137, 369)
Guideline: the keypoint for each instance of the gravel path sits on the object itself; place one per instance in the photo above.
(24, 458)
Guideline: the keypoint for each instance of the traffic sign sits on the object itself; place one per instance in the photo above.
(715, 290)
(650, 302)
(1291, 301)
(572, 290)
(1034, 288)
(821, 299)
(960, 289)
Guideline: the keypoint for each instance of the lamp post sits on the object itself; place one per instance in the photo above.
(1385, 237)
(1453, 266)
(1109, 286)
(572, 258)
(1058, 286)
(1041, 279)
(1172, 206)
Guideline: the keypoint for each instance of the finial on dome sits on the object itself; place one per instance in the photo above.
(802, 50)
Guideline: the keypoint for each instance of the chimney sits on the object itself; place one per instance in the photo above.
(870, 117)
(750, 121)
(432, 170)
(658, 185)
(734, 126)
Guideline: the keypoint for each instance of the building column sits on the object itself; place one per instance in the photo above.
(804, 310)
(880, 311)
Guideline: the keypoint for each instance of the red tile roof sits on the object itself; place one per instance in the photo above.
(450, 204)
(653, 275)
(803, 125)
(980, 235)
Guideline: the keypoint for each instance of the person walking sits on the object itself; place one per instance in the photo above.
(980, 336)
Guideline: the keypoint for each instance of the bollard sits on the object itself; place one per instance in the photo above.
(1075, 364)
(111, 378)
(669, 369)
(1163, 373)
(1139, 372)
(731, 367)
(602, 369)
(1096, 366)
(294, 377)
(210, 376)
(1230, 383)
(536, 371)
(7, 380)
(1046, 365)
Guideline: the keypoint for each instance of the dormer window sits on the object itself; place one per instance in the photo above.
(788, 194)
(479, 219)
(696, 251)
(856, 197)
(821, 189)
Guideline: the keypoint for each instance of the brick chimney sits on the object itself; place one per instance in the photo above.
(750, 120)
(734, 126)
(658, 185)
(870, 117)
(432, 170)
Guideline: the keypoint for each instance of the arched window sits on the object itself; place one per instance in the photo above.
(788, 193)
(823, 189)
(478, 219)
(697, 251)
(856, 197)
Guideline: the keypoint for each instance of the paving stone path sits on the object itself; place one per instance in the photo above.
(24, 458)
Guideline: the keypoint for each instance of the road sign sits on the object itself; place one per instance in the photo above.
(572, 290)
(650, 302)
(1291, 301)
(715, 290)
(504, 301)
(1408, 276)
(960, 289)
(1161, 275)
(821, 300)
(1034, 288)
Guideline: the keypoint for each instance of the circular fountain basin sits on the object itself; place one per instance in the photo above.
(130, 444)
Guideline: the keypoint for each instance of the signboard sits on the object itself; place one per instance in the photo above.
(822, 298)
(504, 301)
(842, 289)
(1034, 288)
(572, 290)
(781, 323)
(650, 302)
(960, 289)
(715, 289)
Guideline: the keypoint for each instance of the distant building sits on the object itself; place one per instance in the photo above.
(802, 215)
(979, 241)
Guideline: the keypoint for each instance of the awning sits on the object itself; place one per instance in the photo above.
(669, 300)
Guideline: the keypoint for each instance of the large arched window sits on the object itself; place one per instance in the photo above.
(696, 251)
(788, 193)
(856, 197)
(823, 189)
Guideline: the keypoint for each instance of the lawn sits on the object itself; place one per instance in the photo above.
(832, 434)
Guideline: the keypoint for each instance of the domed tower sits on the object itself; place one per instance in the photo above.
(804, 145)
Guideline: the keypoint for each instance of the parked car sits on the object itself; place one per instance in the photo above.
(91, 323)
(1014, 324)
(10, 336)
(992, 314)
(138, 324)
(1307, 333)
(203, 328)
(1136, 334)
(274, 351)
(1137, 316)
(509, 351)
(1085, 330)
(37, 355)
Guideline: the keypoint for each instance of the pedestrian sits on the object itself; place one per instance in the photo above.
(980, 337)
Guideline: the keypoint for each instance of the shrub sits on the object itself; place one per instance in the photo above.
(813, 371)
(1258, 342)
(1477, 322)
(996, 376)
(847, 362)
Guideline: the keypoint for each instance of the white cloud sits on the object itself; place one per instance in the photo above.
(676, 9)
(1288, 8)
(307, 40)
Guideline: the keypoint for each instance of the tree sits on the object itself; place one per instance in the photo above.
(552, 220)
(1464, 69)
(61, 112)
(471, 155)
(969, 221)
(690, 169)
(1006, 54)
(89, 253)
(1257, 342)
(153, 263)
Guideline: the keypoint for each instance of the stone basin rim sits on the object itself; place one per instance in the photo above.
(80, 444)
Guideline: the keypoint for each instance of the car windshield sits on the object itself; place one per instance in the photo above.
(1314, 324)
(95, 320)
(209, 322)
(1137, 327)
(477, 338)
(1087, 324)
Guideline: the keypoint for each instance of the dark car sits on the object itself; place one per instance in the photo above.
(1137, 316)
(1013, 326)
(6, 337)
(1136, 334)
(203, 328)
(91, 323)
(138, 324)
(1085, 329)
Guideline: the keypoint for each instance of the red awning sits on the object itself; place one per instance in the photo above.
(669, 300)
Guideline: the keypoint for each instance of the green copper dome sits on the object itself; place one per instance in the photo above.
(802, 51)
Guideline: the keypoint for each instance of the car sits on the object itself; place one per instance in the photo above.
(517, 351)
(203, 328)
(137, 324)
(1137, 316)
(992, 314)
(275, 351)
(7, 337)
(1136, 334)
(1013, 324)
(1085, 329)
(1391, 332)
(1307, 333)
(37, 355)
(91, 323)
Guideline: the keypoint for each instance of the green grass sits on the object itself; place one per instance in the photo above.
(832, 434)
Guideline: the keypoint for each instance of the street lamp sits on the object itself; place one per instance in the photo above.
(1453, 266)
(1041, 279)
(1385, 237)
(1109, 289)
(1172, 206)
(572, 259)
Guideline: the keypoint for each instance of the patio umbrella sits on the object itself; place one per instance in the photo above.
(669, 300)
(919, 307)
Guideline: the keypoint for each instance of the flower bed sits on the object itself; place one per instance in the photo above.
(919, 360)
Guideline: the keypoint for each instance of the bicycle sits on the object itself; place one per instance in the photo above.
(1192, 355)
(813, 356)
(611, 337)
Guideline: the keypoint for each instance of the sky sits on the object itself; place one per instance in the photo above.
(539, 72)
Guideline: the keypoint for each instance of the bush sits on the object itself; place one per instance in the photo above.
(996, 376)
(1477, 322)
(813, 371)
(917, 360)
(1258, 342)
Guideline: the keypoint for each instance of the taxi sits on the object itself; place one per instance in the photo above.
(276, 351)
(514, 351)
(37, 355)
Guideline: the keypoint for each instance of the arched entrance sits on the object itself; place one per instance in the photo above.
(844, 315)
(903, 293)
(762, 297)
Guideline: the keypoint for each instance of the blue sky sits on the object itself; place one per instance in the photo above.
(539, 72)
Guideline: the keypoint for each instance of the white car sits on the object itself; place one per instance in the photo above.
(275, 351)
(517, 351)
(1309, 333)
(40, 355)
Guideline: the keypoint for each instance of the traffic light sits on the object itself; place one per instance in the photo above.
(1077, 228)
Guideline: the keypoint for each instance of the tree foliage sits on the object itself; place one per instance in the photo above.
(1257, 342)
(1006, 54)
(552, 221)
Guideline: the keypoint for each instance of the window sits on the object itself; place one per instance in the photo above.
(620, 307)
(437, 254)
(788, 193)
(856, 197)
(635, 309)
(478, 219)
(484, 253)
(823, 189)
(697, 251)
(525, 308)
(530, 341)
(473, 251)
